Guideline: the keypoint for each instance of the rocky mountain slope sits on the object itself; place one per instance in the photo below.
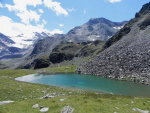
(18, 46)
(5, 41)
(68, 53)
(42, 44)
(94, 29)
(46, 45)
(6, 47)
(127, 54)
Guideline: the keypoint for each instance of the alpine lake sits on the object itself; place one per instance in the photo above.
(88, 82)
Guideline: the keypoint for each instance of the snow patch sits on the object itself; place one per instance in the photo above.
(118, 27)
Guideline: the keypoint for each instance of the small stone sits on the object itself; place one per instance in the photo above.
(140, 110)
(70, 92)
(116, 107)
(67, 109)
(97, 93)
(61, 100)
(5, 102)
(44, 109)
(35, 106)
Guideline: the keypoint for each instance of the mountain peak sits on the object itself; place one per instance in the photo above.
(98, 20)
(102, 20)
(145, 10)
(125, 55)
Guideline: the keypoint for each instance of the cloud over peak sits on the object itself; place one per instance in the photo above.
(114, 1)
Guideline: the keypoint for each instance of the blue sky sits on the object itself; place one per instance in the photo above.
(59, 16)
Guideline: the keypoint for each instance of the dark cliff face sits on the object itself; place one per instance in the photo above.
(145, 9)
(127, 54)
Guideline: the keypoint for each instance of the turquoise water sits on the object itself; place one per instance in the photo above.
(89, 83)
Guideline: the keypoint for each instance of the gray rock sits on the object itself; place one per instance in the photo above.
(5, 102)
(44, 109)
(61, 100)
(140, 110)
(35, 106)
(67, 109)
(126, 55)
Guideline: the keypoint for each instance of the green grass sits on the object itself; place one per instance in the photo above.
(82, 104)
(61, 69)
(27, 94)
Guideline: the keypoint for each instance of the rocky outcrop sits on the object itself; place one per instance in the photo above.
(59, 57)
(70, 51)
(45, 46)
(127, 54)
(67, 109)
(37, 64)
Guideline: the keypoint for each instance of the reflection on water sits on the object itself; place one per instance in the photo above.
(90, 83)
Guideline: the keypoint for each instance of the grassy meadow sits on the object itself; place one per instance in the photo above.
(26, 95)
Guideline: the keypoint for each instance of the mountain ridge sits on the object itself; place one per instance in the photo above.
(94, 29)
(126, 54)
(69, 38)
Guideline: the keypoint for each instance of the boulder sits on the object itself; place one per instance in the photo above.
(67, 109)
(44, 109)
(35, 106)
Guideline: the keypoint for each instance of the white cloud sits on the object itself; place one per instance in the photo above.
(56, 31)
(61, 25)
(71, 10)
(44, 22)
(14, 30)
(41, 11)
(11, 28)
(114, 1)
(56, 7)
(20, 8)
(28, 16)
(21, 5)
(1, 6)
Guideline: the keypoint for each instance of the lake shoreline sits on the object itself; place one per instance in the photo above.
(136, 86)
